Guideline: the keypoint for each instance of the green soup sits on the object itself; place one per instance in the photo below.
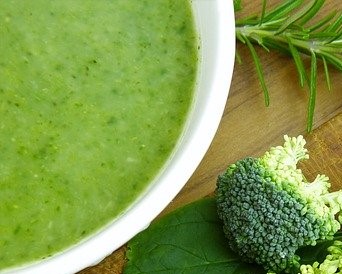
(93, 98)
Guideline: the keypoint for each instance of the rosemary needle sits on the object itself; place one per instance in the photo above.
(289, 28)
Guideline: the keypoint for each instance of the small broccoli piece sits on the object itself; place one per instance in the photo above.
(332, 263)
(269, 209)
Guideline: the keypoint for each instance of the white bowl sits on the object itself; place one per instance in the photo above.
(215, 25)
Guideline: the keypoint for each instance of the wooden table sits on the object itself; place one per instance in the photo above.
(248, 128)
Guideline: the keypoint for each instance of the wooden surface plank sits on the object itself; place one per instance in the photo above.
(325, 150)
(248, 128)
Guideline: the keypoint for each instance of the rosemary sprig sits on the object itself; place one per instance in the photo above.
(289, 28)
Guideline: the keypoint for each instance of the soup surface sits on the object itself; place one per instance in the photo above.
(93, 98)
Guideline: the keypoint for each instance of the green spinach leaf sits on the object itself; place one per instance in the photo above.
(188, 240)
(311, 254)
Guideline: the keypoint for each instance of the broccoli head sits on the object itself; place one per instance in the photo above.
(269, 209)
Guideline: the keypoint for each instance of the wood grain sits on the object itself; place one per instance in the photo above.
(113, 264)
(248, 128)
(325, 150)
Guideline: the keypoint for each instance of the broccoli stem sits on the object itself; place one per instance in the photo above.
(318, 187)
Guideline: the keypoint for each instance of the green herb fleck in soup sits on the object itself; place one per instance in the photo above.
(93, 98)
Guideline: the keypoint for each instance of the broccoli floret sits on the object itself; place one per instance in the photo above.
(332, 263)
(269, 209)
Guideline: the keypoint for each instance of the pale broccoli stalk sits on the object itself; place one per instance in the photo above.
(332, 263)
(269, 209)
(282, 160)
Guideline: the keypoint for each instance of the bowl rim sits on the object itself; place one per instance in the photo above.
(195, 144)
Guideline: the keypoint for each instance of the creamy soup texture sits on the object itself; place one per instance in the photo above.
(93, 98)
